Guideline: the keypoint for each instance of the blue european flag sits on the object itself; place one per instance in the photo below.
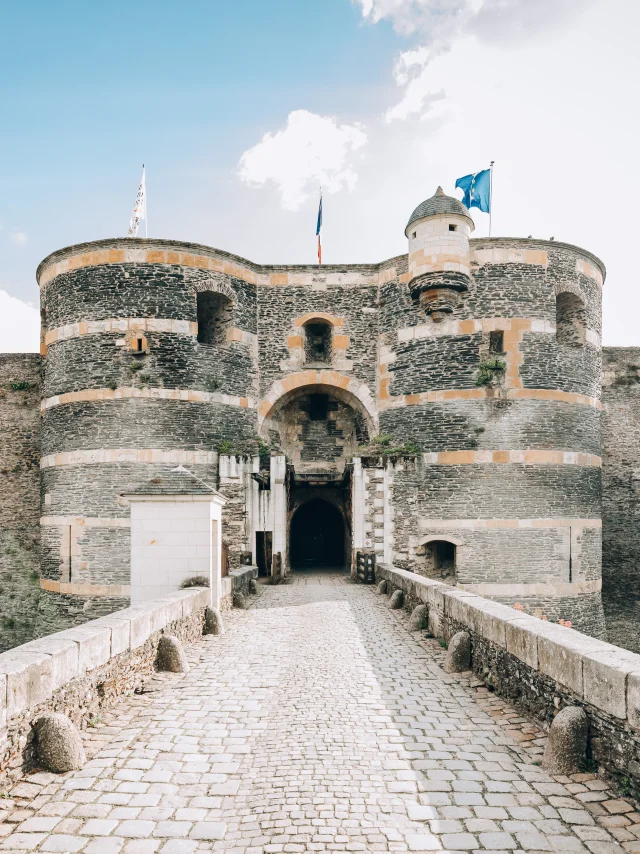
(477, 190)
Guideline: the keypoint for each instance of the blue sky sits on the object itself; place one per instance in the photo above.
(381, 100)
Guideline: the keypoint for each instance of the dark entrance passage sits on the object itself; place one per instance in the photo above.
(317, 536)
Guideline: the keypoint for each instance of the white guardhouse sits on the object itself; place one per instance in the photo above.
(176, 535)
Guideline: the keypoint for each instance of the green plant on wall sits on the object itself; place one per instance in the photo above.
(490, 372)
(385, 446)
(20, 385)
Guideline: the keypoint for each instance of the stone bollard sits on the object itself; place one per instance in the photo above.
(418, 619)
(253, 587)
(397, 600)
(58, 744)
(458, 656)
(382, 587)
(213, 624)
(171, 655)
(566, 749)
(239, 601)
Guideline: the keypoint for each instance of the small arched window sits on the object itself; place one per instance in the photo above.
(317, 342)
(571, 326)
(440, 559)
(215, 312)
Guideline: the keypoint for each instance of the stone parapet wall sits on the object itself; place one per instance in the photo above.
(540, 666)
(81, 670)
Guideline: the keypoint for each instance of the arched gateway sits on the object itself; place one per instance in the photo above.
(317, 536)
(319, 427)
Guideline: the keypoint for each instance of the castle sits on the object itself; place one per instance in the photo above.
(440, 411)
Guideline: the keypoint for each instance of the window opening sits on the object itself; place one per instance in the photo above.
(318, 407)
(453, 227)
(571, 326)
(496, 342)
(440, 558)
(318, 342)
(215, 312)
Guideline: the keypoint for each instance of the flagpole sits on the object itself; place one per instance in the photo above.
(146, 223)
(491, 196)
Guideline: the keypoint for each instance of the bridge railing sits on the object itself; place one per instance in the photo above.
(540, 666)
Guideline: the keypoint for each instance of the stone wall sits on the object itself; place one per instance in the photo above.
(510, 473)
(79, 671)
(130, 391)
(541, 667)
(621, 495)
(25, 609)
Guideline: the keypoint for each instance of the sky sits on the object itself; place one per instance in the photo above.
(240, 111)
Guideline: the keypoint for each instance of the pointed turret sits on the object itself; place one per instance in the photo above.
(438, 232)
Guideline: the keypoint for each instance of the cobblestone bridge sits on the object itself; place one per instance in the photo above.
(317, 723)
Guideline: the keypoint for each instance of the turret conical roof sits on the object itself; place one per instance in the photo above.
(439, 204)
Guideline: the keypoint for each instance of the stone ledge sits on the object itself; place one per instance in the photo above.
(79, 670)
(236, 582)
(540, 665)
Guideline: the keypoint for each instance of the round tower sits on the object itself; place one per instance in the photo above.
(491, 364)
(150, 363)
(438, 231)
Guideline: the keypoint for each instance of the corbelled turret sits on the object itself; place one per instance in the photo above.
(438, 232)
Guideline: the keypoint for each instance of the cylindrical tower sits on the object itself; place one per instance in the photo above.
(500, 388)
(151, 362)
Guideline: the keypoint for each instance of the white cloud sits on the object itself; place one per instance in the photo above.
(20, 238)
(19, 326)
(311, 150)
(438, 24)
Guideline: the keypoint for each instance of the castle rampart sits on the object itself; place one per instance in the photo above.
(447, 401)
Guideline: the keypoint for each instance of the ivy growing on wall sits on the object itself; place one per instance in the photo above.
(490, 372)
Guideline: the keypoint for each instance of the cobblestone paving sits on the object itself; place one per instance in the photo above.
(317, 723)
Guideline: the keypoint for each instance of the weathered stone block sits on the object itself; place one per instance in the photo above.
(29, 678)
(140, 624)
(63, 653)
(397, 600)
(213, 622)
(419, 618)
(382, 587)
(192, 600)
(120, 632)
(633, 699)
(605, 673)
(436, 626)
(522, 639)
(560, 654)
(59, 745)
(164, 611)
(94, 645)
(171, 655)
(458, 656)
(239, 601)
(566, 748)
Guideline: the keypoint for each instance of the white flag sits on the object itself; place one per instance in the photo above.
(139, 209)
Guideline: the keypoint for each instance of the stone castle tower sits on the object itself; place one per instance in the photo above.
(440, 409)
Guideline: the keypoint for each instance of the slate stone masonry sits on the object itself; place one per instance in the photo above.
(128, 391)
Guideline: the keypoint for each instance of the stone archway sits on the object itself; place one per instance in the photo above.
(351, 390)
(319, 424)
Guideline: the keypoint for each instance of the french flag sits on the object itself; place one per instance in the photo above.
(319, 231)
